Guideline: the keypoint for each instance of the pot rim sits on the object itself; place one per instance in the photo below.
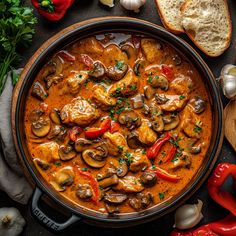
(147, 29)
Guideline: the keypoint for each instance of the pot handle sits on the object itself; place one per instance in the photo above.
(44, 219)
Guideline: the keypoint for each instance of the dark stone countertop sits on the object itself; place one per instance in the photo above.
(85, 9)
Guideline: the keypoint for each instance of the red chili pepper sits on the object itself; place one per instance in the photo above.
(170, 154)
(167, 71)
(97, 132)
(224, 198)
(52, 10)
(87, 60)
(165, 175)
(155, 148)
(66, 56)
(93, 182)
(114, 127)
(73, 133)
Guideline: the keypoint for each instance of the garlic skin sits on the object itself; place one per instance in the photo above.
(11, 222)
(187, 216)
(109, 3)
(228, 81)
(132, 5)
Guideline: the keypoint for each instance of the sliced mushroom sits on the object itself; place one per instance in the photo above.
(192, 148)
(55, 130)
(130, 119)
(117, 71)
(138, 101)
(157, 123)
(39, 92)
(145, 109)
(62, 178)
(82, 144)
(129, 50)
(41, 163)
(98, 70)
(141, 201)
(122, 169)
(182, 161)
(36, 114)
(110, 171)
(177, 60)
(41, 127)
(149, 92)
(133, 140)
(139, 64)
(148, 179)
(116, 198)
(198, 104)
(84, 191)
(159, 82)
(171, 121)
(55, 116)
(113, 180)
(161, 99)
(95, 157)
(111, 209)
(66, 153)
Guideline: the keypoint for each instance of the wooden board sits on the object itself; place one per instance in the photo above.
(230, 123)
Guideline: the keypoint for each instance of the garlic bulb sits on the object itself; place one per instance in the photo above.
(11, 222)
(228, 81)
(132, 5)
(187, 216)
(109, 3)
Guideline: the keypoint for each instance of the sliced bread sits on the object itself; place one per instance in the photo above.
(170, 14)
(208, 24)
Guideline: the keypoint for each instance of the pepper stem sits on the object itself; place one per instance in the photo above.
(47, 5)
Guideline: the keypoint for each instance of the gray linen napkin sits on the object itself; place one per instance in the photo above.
(12, 180)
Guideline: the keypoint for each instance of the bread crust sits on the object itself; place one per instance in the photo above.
(185, 5)
(167, 25)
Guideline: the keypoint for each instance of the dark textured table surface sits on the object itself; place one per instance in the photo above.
(85, 9)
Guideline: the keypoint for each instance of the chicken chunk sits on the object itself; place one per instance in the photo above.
(80, 112)
(126, 86)
(48, 152)
(145, 133)
(182, 85)
(172, 102)
(139, 162)
(191, 124)
(113, 55)
(129, 184)
(74, 81)
(114, 141)
(102, 98)
(152, 50)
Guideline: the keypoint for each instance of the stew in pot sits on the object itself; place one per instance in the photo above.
(118, 123)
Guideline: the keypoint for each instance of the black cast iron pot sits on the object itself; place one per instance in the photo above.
(76, 32)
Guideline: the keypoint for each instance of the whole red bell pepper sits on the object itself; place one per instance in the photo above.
(165, 175)
(155, 148)
(97, 132)
(52, 10)
(224, 198)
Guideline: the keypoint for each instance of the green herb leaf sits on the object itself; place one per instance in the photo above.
(57, 163)
(197, 129)
(161, 196)
(181, 97)
(119, 65)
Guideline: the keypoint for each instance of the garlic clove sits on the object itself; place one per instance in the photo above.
(187, 216)
(109, 3)
(132, 5)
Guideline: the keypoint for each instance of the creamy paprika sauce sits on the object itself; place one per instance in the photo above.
(118, 123)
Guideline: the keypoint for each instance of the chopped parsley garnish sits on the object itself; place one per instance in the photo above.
(127, 154)
(161, 196)
(150, 78)
(159, 162)
(181, 97)
(129, 158)
(197, 129)
(84, 169)
(120, 110)
(175, 142)
(86, 82)
(58, 163)
(152, 161)
(111, 113)
(133, 87)
(120, 148)
(173, 114)
(116, 93)
(119, 65)
(121, 160)
(153, 167)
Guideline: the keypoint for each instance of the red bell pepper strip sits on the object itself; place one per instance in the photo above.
(114, 127)
(93, 182)
(97, 132)
(170, 155)
(66, 56)
(165, 175)
(52, 10)
(155, 148)
(226, 227)
(224, 198)
(73, 133)
(167, 71)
